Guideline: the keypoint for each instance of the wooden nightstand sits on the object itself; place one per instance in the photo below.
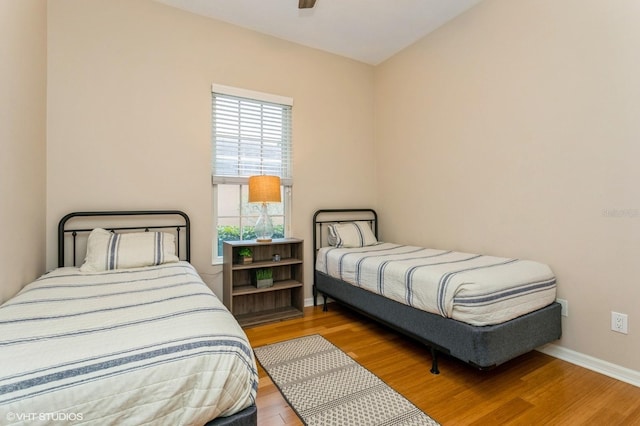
(252, 305)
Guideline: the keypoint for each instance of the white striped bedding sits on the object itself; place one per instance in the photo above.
(150, 345)
(479, 290)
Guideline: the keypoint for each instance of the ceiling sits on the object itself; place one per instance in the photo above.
(369, 31)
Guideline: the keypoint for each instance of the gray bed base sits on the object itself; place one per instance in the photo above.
(482, 347)
(246, 417)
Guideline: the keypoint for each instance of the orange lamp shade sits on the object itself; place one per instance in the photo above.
(264, 189)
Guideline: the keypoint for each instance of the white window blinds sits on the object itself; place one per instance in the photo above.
(251, 135)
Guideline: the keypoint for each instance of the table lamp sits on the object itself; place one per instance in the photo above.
(264, 189)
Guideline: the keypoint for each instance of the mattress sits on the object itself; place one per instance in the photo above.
(475, 289)
(129, 347)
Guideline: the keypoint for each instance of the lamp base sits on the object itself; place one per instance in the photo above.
(264, 226)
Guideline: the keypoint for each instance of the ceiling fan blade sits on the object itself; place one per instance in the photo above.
(306, 4)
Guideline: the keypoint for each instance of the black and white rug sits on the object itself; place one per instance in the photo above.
(327, 387)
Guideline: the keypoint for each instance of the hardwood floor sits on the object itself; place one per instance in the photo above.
(534, 389)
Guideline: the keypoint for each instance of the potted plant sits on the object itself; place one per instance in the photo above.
(245, 255)
(263, 277)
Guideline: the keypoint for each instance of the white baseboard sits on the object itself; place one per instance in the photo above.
(309, 301)
(599, 366)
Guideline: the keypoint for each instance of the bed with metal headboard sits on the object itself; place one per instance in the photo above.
(76, 225)
(138, 339)
(360, 276)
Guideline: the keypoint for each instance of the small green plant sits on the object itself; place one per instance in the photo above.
(245, 252)
(264, 274)
(245, 256)
(262, 278)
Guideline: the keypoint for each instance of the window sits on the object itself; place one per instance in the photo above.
(251, 135)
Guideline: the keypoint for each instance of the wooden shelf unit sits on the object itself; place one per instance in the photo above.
(251, 305)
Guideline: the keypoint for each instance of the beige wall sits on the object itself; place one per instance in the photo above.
(510, 131)
(130, 115)
(23, 75)
(515, 131)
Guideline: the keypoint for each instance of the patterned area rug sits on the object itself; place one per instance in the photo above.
(327, 387)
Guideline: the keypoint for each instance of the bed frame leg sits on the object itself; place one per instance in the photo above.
(315, 296)
(434, 361)
(325, 308)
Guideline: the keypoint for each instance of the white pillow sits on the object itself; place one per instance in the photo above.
(108, 251)
(351, 234)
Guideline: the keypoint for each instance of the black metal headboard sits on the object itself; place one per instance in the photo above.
(328, 216)
(175, 220)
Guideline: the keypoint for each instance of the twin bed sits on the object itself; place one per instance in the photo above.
(483, 310)
(133, 336)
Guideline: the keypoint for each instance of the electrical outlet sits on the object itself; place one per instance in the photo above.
(565, 307)
(619, 322)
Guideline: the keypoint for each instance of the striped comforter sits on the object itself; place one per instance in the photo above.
(141, 346)
(476, 289)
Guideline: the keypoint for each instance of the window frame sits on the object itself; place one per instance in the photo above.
(287, 181)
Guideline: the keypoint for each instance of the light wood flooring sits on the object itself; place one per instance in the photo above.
(534, 389)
